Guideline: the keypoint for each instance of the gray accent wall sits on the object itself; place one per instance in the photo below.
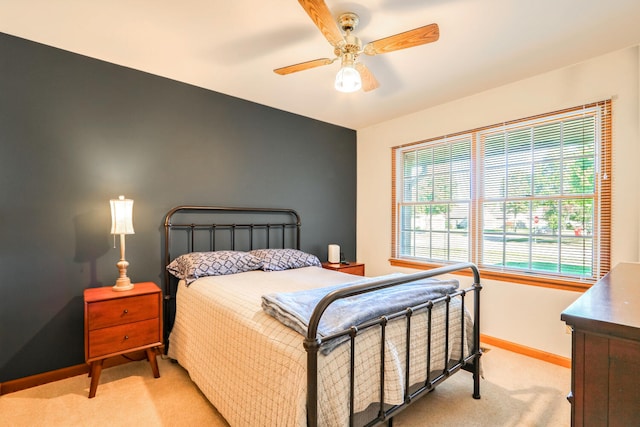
(76, 132)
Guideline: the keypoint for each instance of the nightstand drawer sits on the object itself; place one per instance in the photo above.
(123, 337)
(122, 310)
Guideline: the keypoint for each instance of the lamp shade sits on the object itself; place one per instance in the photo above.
(121, 216)
(348, 79)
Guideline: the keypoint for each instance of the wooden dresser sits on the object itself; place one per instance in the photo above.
(121, 322)
(605, 356)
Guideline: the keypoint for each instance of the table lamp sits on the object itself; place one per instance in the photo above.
(122, 224)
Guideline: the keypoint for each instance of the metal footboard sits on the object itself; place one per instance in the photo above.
(471, 362)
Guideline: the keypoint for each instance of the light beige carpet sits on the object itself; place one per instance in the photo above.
(516, 391)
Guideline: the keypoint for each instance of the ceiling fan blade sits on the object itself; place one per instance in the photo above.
(321, 16)
(416, 37)
(303, 66)
(369, 81)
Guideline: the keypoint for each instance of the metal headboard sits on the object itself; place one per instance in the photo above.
(210, 228)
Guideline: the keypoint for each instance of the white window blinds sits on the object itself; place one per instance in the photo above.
(530, 196)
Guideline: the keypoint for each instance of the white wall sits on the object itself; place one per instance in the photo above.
(523, 314)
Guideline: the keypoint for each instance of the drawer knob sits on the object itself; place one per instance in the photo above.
(126, 337)
(125, 311)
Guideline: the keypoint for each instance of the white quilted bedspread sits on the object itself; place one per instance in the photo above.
(253, 368)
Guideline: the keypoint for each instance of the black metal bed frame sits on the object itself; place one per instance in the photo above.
(251, 230)
(257, 235)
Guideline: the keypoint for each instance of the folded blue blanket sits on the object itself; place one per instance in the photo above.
(294, 309)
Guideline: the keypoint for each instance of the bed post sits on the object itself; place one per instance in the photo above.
(476, 333)
(312, 346)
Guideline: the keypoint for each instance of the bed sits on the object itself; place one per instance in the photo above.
(257, 370)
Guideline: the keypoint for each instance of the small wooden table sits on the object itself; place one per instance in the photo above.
(121, 322)
(356, 268)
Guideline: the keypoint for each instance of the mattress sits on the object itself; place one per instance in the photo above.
(253, 368)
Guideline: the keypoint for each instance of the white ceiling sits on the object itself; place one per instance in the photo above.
(232, 46)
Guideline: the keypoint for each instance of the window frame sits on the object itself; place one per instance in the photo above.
(602, 199)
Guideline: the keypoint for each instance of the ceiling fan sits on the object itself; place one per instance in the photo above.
(353, 74)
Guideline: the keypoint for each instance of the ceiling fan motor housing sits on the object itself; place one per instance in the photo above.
(351, 45)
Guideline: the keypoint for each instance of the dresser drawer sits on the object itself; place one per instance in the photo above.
(123, 337)
(119, 311)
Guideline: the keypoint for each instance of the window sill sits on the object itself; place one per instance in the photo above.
(524, 279)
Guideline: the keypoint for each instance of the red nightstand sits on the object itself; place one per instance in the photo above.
(121, 322)
(356, 268)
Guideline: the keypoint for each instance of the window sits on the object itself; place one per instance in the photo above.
(526, 198)
(436, 199)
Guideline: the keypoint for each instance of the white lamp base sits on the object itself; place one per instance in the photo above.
(123, 284)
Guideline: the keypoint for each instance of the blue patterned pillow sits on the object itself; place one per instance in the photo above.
(193, 265)
(284, 259)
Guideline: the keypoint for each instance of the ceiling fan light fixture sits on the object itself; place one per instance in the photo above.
(348, 79)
